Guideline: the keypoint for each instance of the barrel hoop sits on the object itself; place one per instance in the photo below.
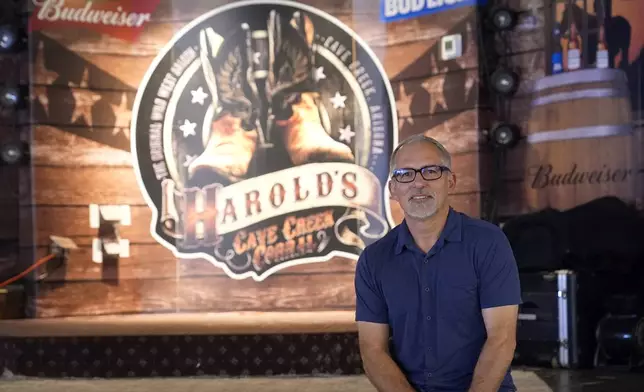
(582, 76)
(581, 94)
(580, 133)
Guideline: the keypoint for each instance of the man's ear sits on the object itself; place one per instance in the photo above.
(451, 181)
(391, 190)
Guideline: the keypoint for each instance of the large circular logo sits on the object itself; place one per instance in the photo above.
(261, 139)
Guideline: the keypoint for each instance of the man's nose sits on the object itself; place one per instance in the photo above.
(419, 181)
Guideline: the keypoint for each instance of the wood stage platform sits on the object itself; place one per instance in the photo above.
(236, 323)
(223, 352)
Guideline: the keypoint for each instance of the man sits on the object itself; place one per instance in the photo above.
(446, 286)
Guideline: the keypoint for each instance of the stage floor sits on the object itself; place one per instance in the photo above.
(537, 380)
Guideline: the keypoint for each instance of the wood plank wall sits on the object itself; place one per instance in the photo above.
(523, 51)
(526, 53)
(13, 128)
(84, 159)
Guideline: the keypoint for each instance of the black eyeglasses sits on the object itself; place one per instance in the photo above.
(428, 173)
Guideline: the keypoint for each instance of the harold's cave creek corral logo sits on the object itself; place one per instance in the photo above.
(262, 135)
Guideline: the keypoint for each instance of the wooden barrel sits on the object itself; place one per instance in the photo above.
(580, 140)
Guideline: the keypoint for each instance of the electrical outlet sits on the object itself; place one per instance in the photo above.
(451, 47)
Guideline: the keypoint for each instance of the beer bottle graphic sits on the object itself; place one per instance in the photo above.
(602, 46)
(556, 59)
(574, 48)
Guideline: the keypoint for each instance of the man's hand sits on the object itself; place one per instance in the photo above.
(380, 368)
(498, 350)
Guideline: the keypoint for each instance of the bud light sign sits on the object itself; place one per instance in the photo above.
(391, 10)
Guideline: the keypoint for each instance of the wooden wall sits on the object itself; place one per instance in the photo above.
(13, 128)
(523, 51)
(526, 53)
(84, 86)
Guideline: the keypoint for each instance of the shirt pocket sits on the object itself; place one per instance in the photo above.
(460, 307)
(459, 296)
(462, 294)
(458, 286)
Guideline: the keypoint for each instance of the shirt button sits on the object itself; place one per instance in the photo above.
(427, 289)
(426, 261)
(429, 374)
(429, 349)
(429, 318)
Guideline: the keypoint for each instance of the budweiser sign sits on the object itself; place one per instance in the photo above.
(121, 19)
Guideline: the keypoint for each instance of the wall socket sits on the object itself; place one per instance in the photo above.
(451, 47)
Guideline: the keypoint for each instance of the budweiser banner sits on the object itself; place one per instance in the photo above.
(261, 136)
(124, 19)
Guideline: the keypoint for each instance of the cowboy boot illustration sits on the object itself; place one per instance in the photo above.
(233, 138)
(294, 100)
(306, 140)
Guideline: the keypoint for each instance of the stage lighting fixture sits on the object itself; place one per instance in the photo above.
(502, 19)
(13, 96)
(14, 152)
(12, 39)
(505, 135)
(619, 339)
(504, 81)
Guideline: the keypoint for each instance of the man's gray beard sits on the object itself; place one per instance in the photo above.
(418, 211)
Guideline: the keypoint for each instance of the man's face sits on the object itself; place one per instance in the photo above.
(420, 199)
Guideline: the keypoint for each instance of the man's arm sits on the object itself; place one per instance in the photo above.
(498, 350)
(500, 295)
(373, 332)
(380, 368)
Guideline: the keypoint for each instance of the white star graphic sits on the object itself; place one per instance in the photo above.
(43, 75)
(40, 71)
(84, 100)
(40, 95)
(346, 134)
(189, 159)
(188, 128)
(403, 105)
(434, 86)
(122, 117)
(319, 74)
(338, 100)
(256, 57)
(198, 96)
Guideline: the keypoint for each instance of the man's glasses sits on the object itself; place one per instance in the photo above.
(428, 173)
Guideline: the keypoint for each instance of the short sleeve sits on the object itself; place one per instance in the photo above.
(370, 304)
(498, 274)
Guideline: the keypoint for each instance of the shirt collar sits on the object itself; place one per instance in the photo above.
(452, 232)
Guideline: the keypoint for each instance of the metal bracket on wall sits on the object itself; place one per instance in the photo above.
(109, 244)
(113, 248)
(109, 213)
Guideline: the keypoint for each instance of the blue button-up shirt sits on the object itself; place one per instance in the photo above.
(432, 302)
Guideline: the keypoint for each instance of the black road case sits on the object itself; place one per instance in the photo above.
(557, 320)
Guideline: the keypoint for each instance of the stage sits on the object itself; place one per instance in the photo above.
(527, 380)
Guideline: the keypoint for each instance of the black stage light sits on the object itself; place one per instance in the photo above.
(504, 81)
(502, 18)
(13, 153)
(505, 135)
(620, 340)
(12, 39)
(14, 97)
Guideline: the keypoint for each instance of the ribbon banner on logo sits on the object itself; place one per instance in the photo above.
(289, 191)
(277, 219)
